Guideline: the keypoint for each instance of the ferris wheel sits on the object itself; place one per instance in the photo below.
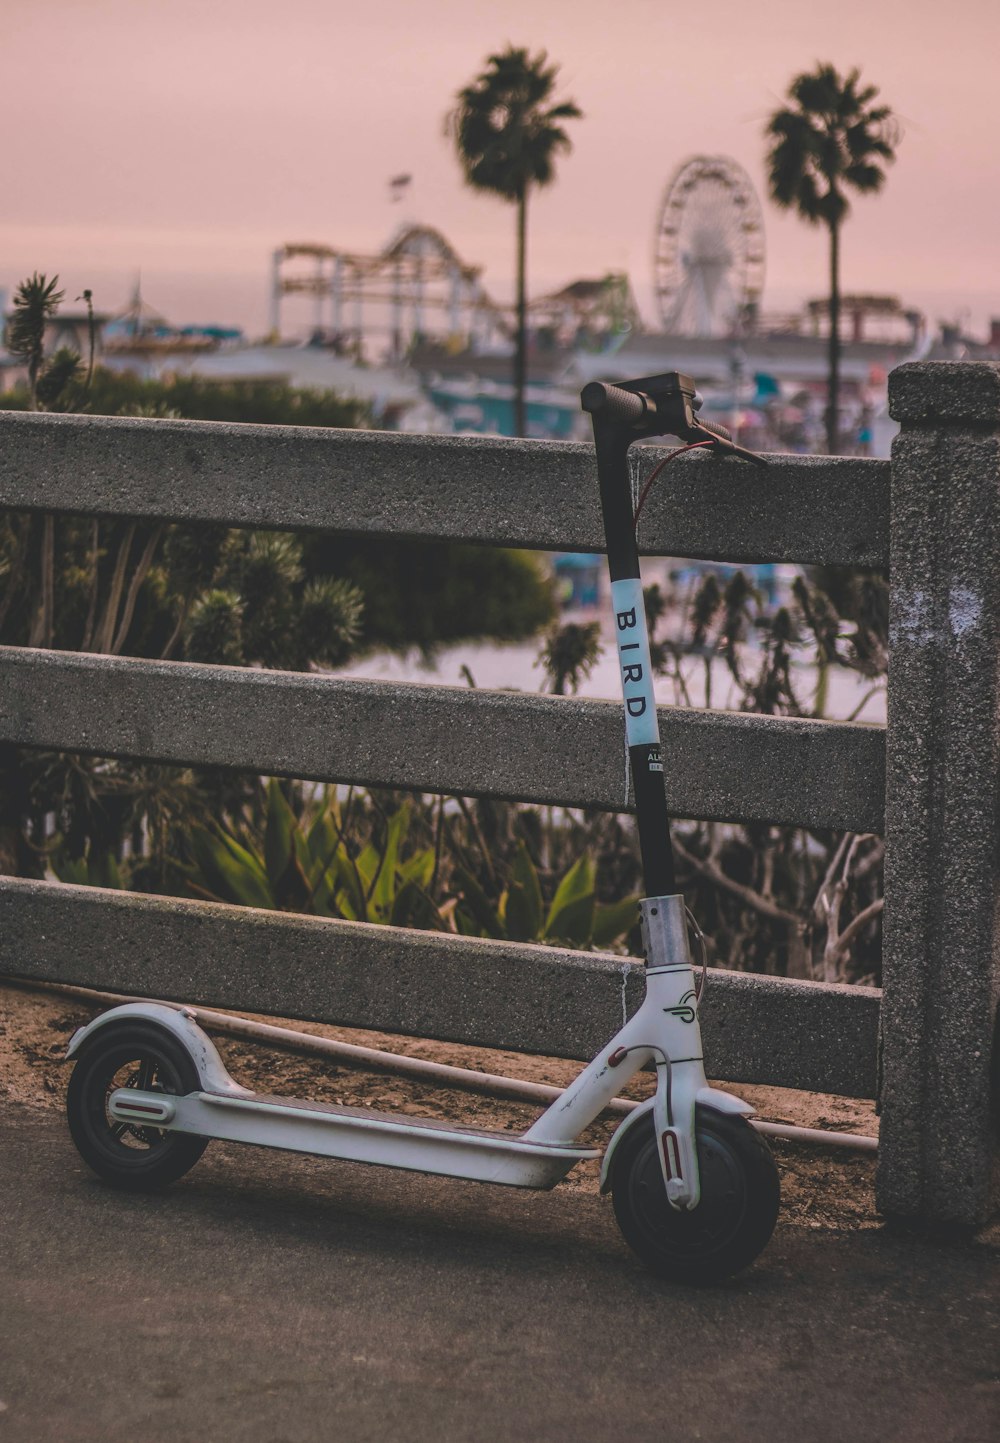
(709, 257)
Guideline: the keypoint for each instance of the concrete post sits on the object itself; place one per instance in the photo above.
(397, 310)
(276, 258)
(337, 295)
(418, 294)
(359, 331)
(456, 285)
(320, 293)
(941, 969)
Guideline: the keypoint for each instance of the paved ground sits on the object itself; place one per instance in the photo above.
(285, 1300)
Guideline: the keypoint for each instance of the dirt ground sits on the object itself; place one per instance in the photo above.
(821, 1187)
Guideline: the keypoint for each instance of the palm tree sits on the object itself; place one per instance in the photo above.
(829, 140)
(35, 303)
(507, 135)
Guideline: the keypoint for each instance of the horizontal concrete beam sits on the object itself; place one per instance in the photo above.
(563, 750)
(532, 999)
(539, 494)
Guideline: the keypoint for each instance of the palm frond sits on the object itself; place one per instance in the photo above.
(35, 302)
(827, 142)
(505, 136)
(864, 177)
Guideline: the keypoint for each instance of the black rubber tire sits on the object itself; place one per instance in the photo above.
(138, 1159)
(740, 1197)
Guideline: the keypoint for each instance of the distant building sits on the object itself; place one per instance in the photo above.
(70, 330)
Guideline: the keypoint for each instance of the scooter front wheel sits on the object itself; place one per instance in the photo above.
(128, 1155)
(740, 1196)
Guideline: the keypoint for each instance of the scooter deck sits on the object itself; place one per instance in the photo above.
(415, 1144)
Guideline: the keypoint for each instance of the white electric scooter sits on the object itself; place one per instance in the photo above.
(694, 1186)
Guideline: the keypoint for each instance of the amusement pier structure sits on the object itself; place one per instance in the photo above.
(412, 330)
(418, 289)
(418, 285)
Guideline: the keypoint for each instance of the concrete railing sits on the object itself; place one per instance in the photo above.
(924, 1046)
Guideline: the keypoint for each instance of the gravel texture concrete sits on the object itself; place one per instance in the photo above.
(539, 494)
(562, 750)
(545, 1000)
(941, 961)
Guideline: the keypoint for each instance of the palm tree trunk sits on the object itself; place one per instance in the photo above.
(833, 389)
(138, 577)
(41, 631)
(106, 629)
(520, 342)
(34, 363)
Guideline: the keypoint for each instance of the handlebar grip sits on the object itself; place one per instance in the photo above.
(611, 401)
(714, 429)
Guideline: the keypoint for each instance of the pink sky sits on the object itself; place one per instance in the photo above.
(188, 138)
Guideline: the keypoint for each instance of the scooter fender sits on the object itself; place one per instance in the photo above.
(705, 1097)
(181, 1024)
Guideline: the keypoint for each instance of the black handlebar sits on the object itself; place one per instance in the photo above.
(714, 429)
(665, 405)
(628, 408)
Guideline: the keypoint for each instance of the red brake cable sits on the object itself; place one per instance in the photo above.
(693, 446)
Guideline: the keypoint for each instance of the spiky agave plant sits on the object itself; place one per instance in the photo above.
(36, 301)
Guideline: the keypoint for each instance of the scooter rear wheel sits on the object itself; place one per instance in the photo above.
(139, 1159)
(740, 1197)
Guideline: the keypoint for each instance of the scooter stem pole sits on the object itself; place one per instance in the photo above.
(612, 439)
